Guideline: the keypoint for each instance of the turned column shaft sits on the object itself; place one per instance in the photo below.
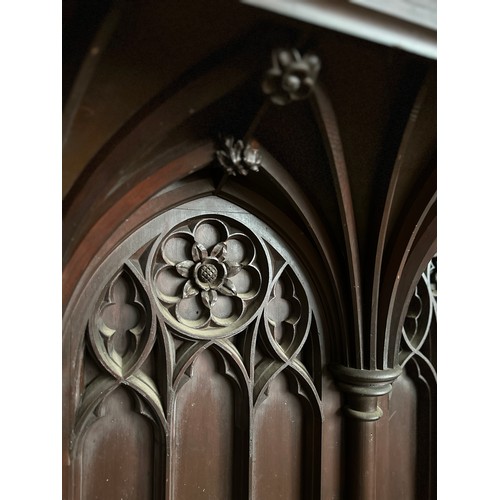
(361, 439)
(362, 389)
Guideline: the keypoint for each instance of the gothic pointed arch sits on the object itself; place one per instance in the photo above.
(185, 280)
(226, 266)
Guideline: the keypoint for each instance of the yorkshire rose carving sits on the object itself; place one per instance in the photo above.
(292, 76)
(209, 277)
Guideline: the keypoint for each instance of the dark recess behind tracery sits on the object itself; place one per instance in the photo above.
(81, 20)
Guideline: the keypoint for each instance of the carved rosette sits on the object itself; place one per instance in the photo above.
(209, 278)
(236, 157)
(292, 76)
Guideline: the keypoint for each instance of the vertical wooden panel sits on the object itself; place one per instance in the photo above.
(331, 442)
(278, 444)
(118, 453)
(215, 438)
(204, 423)
(399, 423)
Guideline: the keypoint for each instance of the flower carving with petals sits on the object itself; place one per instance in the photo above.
(208, 277)
(208, 274)
(292, 76)
(238, 158)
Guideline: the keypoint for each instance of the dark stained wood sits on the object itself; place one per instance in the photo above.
(204, 402)
(425, 247)
(97, 241)
(279, 448)
(409, 471)
(118, 453)
(332, 471)
(269, 334)
(397, 470)
(404, 167)
(329, 128)
(165, 309)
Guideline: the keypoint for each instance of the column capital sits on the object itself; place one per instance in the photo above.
(362, 388)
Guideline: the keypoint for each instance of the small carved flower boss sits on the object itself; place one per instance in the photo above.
(238, 158)
(292, 76)
(208, 273)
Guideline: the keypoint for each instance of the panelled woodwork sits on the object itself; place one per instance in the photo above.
(250, 261)
(206, 334)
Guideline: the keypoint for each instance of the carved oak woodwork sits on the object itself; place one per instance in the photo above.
(205, 288)
(245, 314)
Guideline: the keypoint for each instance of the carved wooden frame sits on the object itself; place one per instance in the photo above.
(106, 208)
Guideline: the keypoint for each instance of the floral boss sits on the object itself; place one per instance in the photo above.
(208, 273)
(292, 76)
(208, 278)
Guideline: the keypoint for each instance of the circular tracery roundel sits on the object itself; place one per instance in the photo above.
(210, 277)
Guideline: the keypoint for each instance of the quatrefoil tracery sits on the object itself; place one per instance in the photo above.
(121, 334)
(123, 330)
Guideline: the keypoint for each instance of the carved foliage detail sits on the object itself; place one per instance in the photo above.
(236, 157)
(209, 278)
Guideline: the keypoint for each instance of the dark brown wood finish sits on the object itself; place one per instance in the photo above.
(162, 288)
(249, 285)
(408, 150)
(329, 128)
